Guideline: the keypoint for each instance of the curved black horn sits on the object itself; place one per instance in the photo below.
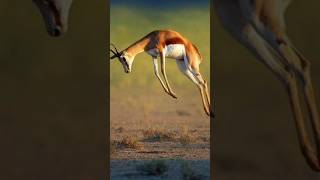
(114, 48)
(115, 53)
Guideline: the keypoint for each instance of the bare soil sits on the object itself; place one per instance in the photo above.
(183, 134)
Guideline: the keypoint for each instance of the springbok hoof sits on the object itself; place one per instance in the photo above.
(212, 114)
(173, 95)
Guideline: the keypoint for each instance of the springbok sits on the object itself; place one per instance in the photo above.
(55, 14)
(260, 26)
(168, 44)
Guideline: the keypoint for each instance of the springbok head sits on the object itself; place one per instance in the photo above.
(125, 59)
(55, 14)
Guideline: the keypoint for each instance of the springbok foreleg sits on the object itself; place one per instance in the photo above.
(163, 71)
(156, 72)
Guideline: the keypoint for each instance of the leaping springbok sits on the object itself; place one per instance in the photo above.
(260, 26)
(55, 14)
(168, 44)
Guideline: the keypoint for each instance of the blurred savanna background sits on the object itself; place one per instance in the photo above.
(146, 123)
(54, 91)
(53, 94)
(254, 133)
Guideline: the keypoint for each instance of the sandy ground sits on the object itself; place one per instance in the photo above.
(134, 115)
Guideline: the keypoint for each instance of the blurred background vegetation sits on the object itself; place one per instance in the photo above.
(53, 94)
(131, 20)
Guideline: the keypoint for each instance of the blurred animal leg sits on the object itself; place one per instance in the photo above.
(301, 67)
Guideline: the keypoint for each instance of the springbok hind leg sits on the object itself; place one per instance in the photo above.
(204, 85)
(301, 67)
(185, 70)
(314, 114)
(305, 75)
(312, 107)
(271, 58)
(305, 143)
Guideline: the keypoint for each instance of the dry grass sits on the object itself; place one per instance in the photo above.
(205, 139)
(113, 146)
(185, 136)
(155, 135)
(128, 142)
(185, 139)
(160, 135)
(120, 130)
(153, 168)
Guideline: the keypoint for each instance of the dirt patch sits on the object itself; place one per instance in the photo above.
(173, 136)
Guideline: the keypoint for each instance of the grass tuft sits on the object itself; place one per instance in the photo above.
(129, 142)
(185, 139)
(155, 135)
(120, 130)
(185, 136)
(113, 146)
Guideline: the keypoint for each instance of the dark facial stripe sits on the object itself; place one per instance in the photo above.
(56, 13)
(124, 61)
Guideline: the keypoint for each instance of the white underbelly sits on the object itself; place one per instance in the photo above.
(174, 51)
